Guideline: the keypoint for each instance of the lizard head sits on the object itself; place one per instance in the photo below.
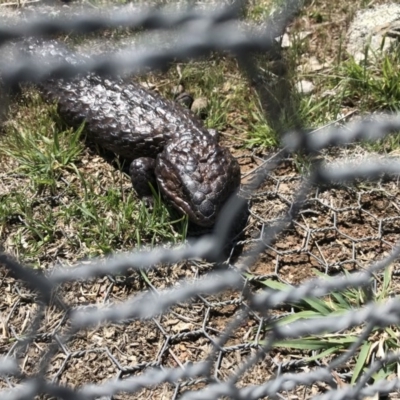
(196, 176)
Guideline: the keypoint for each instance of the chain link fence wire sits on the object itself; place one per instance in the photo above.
(213, 334)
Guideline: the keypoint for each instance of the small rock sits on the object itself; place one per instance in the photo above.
(200, 106)
(286, 41)
(177, 90)
(314, 65)
(328, 93)
(311, 64)
(372, 27)
(148, 85)
(305, 87)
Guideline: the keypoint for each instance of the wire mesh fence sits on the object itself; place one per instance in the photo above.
(93, 331)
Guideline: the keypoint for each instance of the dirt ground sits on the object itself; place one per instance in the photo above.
(338, 229)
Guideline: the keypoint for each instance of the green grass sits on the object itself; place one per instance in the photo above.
(63, 205)
(372, 85)
(41, 147)
(323, 347)
(368, 87)
(232, 107)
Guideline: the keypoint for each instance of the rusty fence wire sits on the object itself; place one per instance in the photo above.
(203, 31)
